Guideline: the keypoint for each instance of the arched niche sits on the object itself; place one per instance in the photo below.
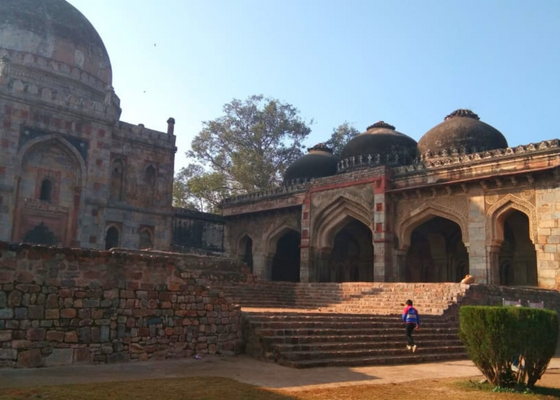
(245, 251)
(112, 237)
(436, 252)
(331, 219)
(517, 257)
(286, 259)
(351, 258)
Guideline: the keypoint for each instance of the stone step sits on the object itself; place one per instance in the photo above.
(408, 358)
(339, 331)
(347, 325)
(446, 337)
(392, 346)
(363, 353)
(320, 317)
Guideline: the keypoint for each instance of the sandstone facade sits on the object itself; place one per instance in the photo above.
(492, 213)
(72, 173)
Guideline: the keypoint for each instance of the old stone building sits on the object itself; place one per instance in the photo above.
(72, 173)
(392, 210)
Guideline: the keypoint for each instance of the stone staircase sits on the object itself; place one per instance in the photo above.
(314, 339)
(355, 298)
(306, 325)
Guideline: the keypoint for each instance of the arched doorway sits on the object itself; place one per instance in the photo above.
(286, 261)
(112, 238)
(436, 253)
(246, 251)
(517, 259)
(351, 258)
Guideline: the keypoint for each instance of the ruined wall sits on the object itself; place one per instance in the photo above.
(62, 306)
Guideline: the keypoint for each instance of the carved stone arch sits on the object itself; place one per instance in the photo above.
(238, 241)
(63, 144)
(410, 222)
(334, 216)
(496, 213)
(274, 235)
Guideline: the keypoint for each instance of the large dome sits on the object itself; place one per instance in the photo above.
(382, 143)
(317, 163)
(461, 130)
(52, 35)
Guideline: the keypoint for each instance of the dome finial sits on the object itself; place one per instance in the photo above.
(381, 124)
(320, 147)
(463, 113)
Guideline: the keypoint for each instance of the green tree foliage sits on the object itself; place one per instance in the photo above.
(340, 136)
(495, 336)
(247, 149)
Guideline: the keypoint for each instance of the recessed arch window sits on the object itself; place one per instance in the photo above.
(46, 191)
(146, 240)
(112, 238)
(150, 175)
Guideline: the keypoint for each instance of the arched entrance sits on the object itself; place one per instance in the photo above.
(351, 258)
(517, 259)
(286, 261)
(246, 251)
(436, 253)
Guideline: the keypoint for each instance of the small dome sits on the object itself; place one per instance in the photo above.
(383, 143)
(317, 163)
(461, 130)
(53, 35)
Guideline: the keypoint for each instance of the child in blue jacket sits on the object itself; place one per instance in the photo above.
(412, 319)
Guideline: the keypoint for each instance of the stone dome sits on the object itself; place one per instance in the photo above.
(382, 143)
(317, 163)
(461, 130)
(52, 35)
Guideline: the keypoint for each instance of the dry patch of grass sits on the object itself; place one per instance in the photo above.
(228, 389)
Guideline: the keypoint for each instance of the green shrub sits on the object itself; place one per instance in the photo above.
(495, 336)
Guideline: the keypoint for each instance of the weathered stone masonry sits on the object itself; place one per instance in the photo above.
(63, 306)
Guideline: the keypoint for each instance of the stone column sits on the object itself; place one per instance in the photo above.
(493, 266)
(477, 241)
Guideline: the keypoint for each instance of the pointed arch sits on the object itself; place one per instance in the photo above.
(501, 209)
(426, 212)
(274, 235)
(245, 250)
(336, 215)
(63, 144)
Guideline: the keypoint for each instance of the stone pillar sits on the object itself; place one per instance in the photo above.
(170, 126)
(321, 264)
(493, 266)
(382, 232)
(259, 265)
(400, 272)
(477, 241)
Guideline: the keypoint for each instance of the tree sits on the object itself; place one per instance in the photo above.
(194, 188)
(340, 137)
(247, 149)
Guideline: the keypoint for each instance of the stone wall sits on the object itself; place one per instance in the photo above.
(63, 306)
(197, 232)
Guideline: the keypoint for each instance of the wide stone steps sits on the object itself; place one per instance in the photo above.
(307, 339)
(407, 358)
(387, 347)
(362, 298)
(372, 339)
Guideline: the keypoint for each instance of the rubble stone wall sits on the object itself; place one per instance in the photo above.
(62, 306)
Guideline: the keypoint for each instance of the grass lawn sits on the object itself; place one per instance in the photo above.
(223, 388)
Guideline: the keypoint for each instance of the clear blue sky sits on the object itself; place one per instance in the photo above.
(407, 62)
